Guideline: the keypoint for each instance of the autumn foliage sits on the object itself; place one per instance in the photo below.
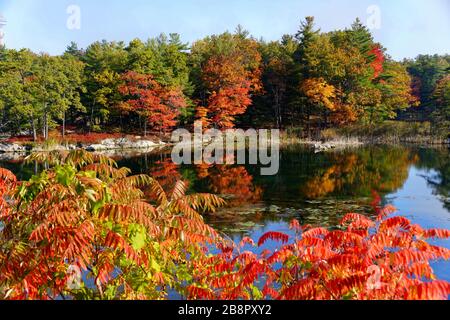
(311, 81)
(158, 105)
(91, 216)
(378, 61)
(87, 214)
(230, 77)
(320, 92)
(230, 85)
(235, 182)
(362, 259)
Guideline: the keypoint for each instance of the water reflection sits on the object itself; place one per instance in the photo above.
(437, 165)
(315, 188)
(233, 183)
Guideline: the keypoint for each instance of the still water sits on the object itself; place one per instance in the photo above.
(316, 189)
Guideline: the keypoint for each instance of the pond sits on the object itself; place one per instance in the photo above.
(315, 188)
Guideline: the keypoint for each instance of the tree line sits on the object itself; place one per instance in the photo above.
(311, 80)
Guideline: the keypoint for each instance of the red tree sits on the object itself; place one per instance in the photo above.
(377, 63)
(230, 78)
(159, 105)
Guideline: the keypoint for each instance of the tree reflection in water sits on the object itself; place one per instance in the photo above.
(315, 188)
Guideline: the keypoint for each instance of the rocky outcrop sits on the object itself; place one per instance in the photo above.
(123, 144)
(321, 147)
(11, 147)
(105, 145)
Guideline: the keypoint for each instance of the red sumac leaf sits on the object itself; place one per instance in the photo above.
(275, 236)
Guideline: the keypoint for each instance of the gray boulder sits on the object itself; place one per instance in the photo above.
(122, 143)
(11, 147)
(321, 147)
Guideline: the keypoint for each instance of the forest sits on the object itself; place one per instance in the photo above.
(303, 83)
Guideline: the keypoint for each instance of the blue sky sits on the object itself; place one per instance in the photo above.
(408, 27)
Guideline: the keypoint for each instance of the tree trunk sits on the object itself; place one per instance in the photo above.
(91, 121)
(33, 129)
(63, 133)
(45, 124)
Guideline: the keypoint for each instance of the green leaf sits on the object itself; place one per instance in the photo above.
(138, 236)
(155, 266)
(257, 294)
(65, 175)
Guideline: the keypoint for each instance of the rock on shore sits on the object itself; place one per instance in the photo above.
(105, 145)
(321, 147)
(11, 147)
(123, 143)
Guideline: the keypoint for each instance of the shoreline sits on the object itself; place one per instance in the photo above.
(118, 144)
(144, 145)
(128, 142)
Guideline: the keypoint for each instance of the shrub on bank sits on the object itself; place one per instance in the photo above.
(389, 132)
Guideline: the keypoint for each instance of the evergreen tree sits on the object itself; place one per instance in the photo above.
(19, 103)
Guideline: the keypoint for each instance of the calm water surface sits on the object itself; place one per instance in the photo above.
(317, 189)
